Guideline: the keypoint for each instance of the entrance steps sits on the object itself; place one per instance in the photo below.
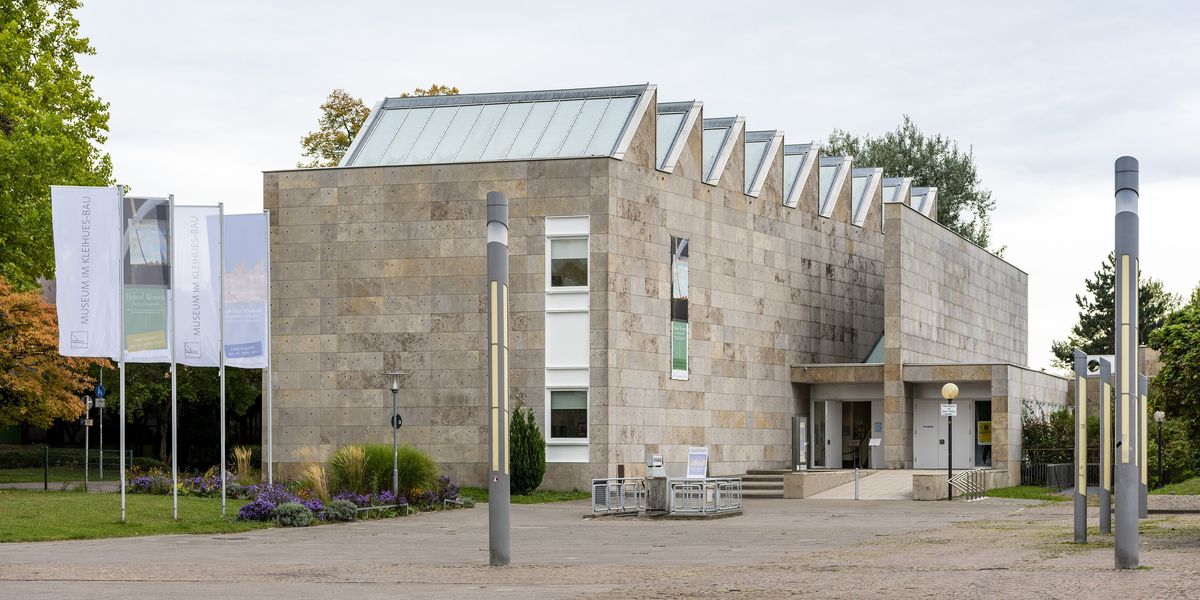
(763, 483)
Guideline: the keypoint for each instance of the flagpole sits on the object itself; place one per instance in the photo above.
(171, 347)
(121, 332)
(269, 371)
(221, 334)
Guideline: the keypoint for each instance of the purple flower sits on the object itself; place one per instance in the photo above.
(261, 509)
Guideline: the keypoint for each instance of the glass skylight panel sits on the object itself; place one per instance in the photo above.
(858, 191)
(506, 131)
(825, 177)
(584, 128)
(610, 127)
(456, 134)
(431, 135)
(791, 171)
(381, 136)
(668, 125)
(533, 129)
(754, 158)
(890, 191)
(712, 142)
(406, 135)
(481, 132)
(475, 127)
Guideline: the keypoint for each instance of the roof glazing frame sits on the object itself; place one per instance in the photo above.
(793, 189)
(733, 128)
(692, 111)
(902, 185)
(773, 139)
(928, 196)
(843, 165)
(862, 204)
(642, 95)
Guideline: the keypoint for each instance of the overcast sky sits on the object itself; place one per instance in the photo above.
(207, 95)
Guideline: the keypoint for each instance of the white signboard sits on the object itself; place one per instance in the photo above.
(87, 261)
(949, 410)
(697, 465)
(197, 305)
(246, 290)
(874, 442)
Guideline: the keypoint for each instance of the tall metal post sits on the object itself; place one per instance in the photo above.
(1080, 447)
(221, 343)
(1106, 443)
(269, 372)
(171, 349)
(121, 334)
(949, 393)
(1143, 394)
(499, 547)
(101, 411)
(1126, 342)
(395, 447)
(87, 414)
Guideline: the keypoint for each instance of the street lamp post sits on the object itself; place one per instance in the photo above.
(1159, 417)
(396, 423)
(949, 392)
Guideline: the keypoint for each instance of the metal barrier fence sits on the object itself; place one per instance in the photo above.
(59, 466)
(969, 485)
(704, 496)
(1055, 467)
(618, 495)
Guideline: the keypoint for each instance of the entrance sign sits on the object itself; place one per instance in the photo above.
(87, 262)
(983, 433)
(697, 465)
(197, 271)
(247, 289)
(949, 410)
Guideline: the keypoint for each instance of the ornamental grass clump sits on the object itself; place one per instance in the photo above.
(313, 476)
(243, 459)
(293, 514)
(348, 467)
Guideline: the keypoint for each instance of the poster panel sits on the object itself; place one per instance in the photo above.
(87, 254)
(147, 279)
(697, 465)
(197, 275)
(246, 291)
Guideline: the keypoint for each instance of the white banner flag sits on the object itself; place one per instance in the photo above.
(196, 285)
(87, 249)
(246, 291)
(147, 279)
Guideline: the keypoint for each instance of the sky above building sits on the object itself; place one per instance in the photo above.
(206, 95)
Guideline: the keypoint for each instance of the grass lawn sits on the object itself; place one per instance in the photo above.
(536, 497)
(30, 516)
(59, 474)
(1183, 488)
(1027, 492)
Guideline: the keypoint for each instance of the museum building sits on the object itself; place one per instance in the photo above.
(676, 280)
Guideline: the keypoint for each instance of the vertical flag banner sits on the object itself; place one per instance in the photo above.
(87, 262)
(246, 291)
(679, 308)
(197, 266)
(147, 279)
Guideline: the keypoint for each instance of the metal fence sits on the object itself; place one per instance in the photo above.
(25, 465)
(704, 496)
(1055, 467)
(617, 495)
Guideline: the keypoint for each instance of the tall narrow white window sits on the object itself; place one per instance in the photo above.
(568, 415)
(568, 262)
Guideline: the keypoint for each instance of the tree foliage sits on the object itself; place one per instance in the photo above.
(342, 115)
(1177, 385)
(37, 385)
(963, 204)
(1093, 334)
(51, 128)
(527, 452)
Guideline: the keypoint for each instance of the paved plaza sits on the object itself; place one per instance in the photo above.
(779, 548)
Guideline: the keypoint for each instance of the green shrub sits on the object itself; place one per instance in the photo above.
(341, 510)
(348, 467)
(293, 514)
(1179, 452)
(527, 452)
(416, 470)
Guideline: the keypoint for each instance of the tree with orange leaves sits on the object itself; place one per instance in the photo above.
(37, 384)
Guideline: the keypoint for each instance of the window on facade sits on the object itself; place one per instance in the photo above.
(568, 414)
(568, 262)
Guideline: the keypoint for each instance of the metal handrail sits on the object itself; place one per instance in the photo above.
(708, 495)
(618, 494)
(970, 484)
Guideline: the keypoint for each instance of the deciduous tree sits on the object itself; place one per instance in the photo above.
(37, 385)
(51, 128)
(963, 204)
(1177, 385)
(342, 115)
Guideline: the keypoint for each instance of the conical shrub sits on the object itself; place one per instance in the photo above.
(527, 452)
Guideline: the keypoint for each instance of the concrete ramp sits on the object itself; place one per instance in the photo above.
(889, 484)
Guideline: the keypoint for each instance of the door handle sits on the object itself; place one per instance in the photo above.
(942, 442)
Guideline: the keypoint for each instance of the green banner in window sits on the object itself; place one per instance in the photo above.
(679, 350)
